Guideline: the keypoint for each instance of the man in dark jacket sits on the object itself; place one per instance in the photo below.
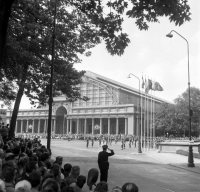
(103, 162)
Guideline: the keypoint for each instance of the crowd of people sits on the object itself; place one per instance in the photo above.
(26, 166)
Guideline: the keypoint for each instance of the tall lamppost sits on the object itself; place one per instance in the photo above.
(190, 156)
(139, 125)
(51, 78)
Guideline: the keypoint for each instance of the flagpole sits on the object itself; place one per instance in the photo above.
(139, 115)
(145, 117)
(147, 121)
(154, 118)
(141, 121)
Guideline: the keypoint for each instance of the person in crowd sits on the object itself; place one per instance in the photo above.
(8, 174)
(35, 179)
(59, 160)
(129, 141)
(45, 158)
(130, 187)
(72, 178)
(123, 144)
(56, 171)
(30, 167)
(92, 141)
(67, 169)
(87, 142)
(101, 187)
(81, 180)
(23, 186)
(50, 185)
(2, 186)
(116, 189)
(92, 177)
(103, 162)
(100, 141)
(21, 164)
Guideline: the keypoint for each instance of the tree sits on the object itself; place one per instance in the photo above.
(80, 26)
(143, 11)
(29, 48)
(175, 118)
(164, 118)
(5, 11)
(182, 103)
(7, 93)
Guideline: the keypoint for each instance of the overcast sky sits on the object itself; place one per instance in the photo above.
(152, 54)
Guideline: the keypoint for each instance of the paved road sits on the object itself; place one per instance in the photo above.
(148, 173)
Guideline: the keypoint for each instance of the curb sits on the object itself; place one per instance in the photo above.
(184, 168)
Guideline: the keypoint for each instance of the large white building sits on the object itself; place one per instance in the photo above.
(111, 108)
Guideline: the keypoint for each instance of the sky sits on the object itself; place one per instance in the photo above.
(152, 55)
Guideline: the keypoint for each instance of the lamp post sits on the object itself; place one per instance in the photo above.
(190, 156)
(139, 125)
(51, 79)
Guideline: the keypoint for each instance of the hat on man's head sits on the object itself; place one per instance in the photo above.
(105, 146)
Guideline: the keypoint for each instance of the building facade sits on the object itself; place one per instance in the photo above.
(112, 108)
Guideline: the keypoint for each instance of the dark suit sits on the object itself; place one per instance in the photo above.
(104, 164)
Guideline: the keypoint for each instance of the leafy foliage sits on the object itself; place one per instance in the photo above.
(175, 118)
(108, 25)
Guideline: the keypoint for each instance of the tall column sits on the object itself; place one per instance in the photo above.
(70, 126)
(109, 125)
(85, 127)
(45, 124)
(38, 126)
(77, 130)
(33, 126)
(63, 127)
(27, 126)
(126, 126)
(67, 126)
(21, 125)
(100, 125)
(117, 125)
(92, 125)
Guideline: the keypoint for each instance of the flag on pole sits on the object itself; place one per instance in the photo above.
(150, 84)
(153, 85)
(143, 84)
(146, 86)
(158, 87)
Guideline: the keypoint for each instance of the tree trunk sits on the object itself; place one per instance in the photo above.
(5, 11)
(18, 101)
(15, 112)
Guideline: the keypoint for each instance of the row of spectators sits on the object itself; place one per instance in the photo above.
(26, 166)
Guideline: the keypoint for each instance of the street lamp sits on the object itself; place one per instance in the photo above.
(139, 127)
(51, 78)
(190, 156)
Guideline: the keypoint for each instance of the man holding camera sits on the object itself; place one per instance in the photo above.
(103, 162)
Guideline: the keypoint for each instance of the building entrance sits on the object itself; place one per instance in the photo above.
(60, 120)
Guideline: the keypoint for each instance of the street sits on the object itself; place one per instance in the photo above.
(127, 166)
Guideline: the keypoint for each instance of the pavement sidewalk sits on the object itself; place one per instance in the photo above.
(174, 159)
